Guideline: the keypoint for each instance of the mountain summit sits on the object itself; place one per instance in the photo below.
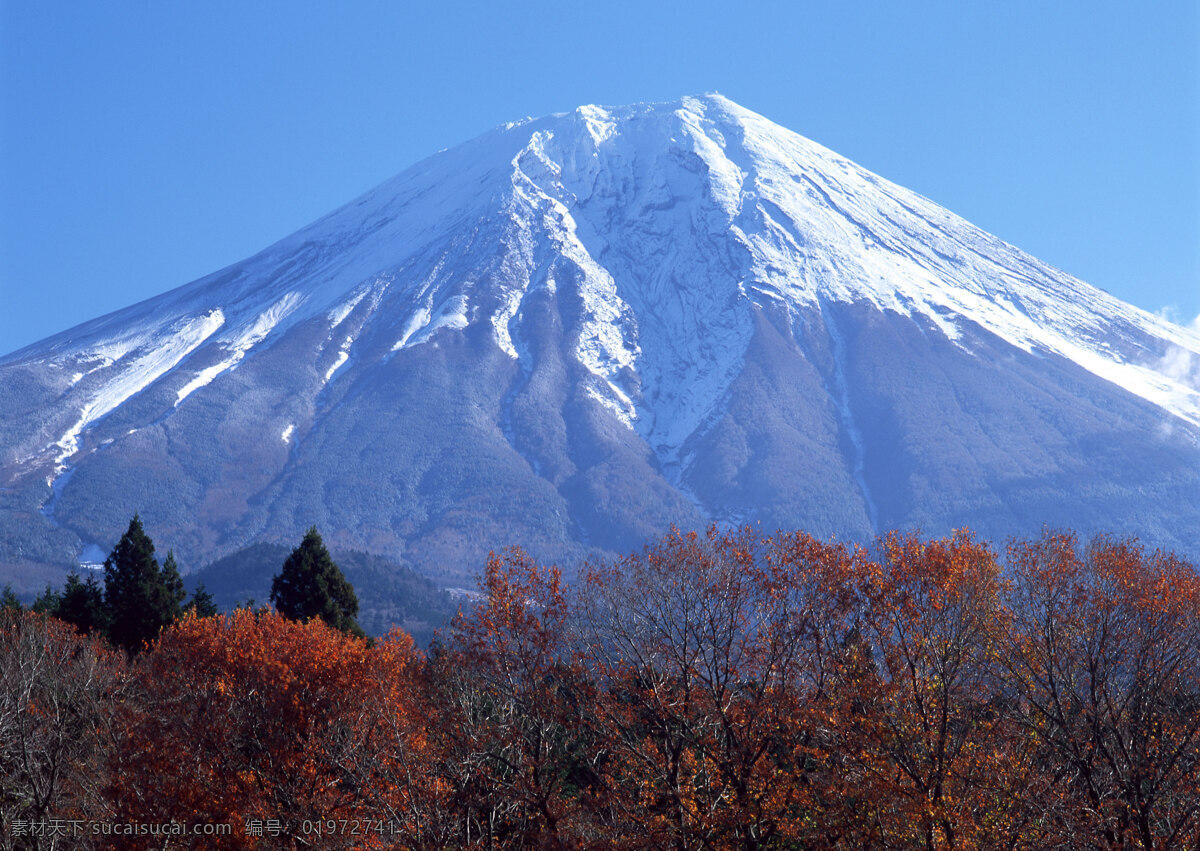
(574, 331)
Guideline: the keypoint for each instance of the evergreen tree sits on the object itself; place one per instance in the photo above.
(202, 603)
(172, 588)
(8, 600)
(82, 604)
(140, 598)
(47, 602)
(310, 586)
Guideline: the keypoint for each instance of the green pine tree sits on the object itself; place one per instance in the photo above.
(310, 586)
(173, 592)
(82, 604)
(9, 600)
(47, 602)
(202, 603)
(140, 598)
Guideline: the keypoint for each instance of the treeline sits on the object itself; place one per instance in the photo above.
(717, 690)
(140, 597)
(389, 593)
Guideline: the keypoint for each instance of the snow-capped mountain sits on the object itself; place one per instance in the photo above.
(573, 331)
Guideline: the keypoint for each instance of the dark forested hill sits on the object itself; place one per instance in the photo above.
(389, 594)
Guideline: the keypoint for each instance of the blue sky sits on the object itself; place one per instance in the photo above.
(145, 144)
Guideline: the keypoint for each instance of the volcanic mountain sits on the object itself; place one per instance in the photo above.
(572, 332)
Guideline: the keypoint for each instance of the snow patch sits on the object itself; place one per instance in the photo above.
(145, 366)
(248, 336)
(205, 376)
(342, 357)
(726, 178)
(338, 315)
(604, 343)
(418, 320)
(598, 122)
(425, 322)
(502, 320)
(91, 557)
(375, 290)
(287, 432)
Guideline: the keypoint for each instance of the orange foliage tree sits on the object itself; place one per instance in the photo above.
(255, 718)
(391, 760)
(514, 758)
(713, 655)
(726, 689)
(922, 714)
(1104, 660)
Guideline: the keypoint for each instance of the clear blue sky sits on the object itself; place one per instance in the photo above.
(145, 144)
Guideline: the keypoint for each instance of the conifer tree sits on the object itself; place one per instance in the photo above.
(47, 602)
(141, 598)
(310, 586)
(202, 603)
(9, 600)
(82, 604)
(172, 588)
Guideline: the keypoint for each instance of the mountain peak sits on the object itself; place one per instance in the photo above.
(631, 278)
(700, 202)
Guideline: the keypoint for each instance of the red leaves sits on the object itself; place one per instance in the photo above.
(253, 716)
(718, 689)
(930, 744)
(748, 691)
(1103, 653)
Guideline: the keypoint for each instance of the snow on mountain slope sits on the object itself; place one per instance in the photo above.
(674, 218)
(142, 361)
(625, 258)
(881, 242)
(244, 339)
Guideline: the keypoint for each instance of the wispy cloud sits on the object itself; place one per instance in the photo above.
(1179, 364)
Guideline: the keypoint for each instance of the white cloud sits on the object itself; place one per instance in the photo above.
(1171, 313)
(1181, 365)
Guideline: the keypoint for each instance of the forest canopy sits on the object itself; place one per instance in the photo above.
(717, 689)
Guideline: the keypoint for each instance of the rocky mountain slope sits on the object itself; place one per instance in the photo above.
(574, 331)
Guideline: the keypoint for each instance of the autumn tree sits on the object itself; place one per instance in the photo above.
(310, 586)
(921, 718)
(1102, 657)
(141, 597)
(389, 754)
(642, 623)
(252, 715)
(59, 695)
(714, 654)
(514, 754)
(823, 597)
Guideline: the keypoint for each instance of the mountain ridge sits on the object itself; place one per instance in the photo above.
(610, 269)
